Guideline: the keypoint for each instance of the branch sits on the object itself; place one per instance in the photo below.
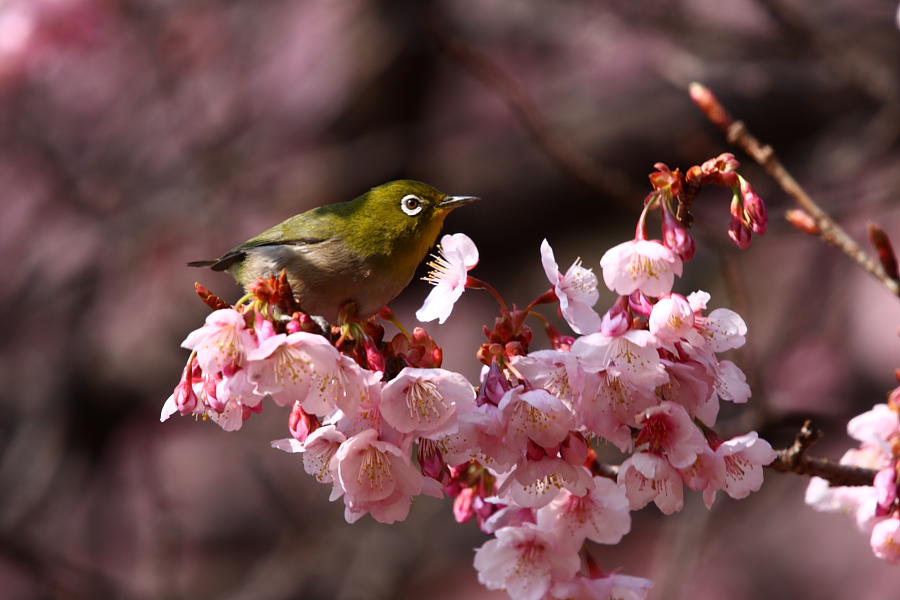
(826, 228)
(795, 460)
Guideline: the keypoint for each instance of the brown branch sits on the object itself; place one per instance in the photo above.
(828, 230)
(567, 157)
(795, 460)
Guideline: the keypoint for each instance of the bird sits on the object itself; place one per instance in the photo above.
(363, 251)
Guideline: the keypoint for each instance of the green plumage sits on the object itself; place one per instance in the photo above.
(364, 251)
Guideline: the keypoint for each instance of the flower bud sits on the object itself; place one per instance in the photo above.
(803, 221)
(464, 505)
(301, 424)
(676, 237)
(754, 208)
(739, 233)
(615, 321)
(640, 304)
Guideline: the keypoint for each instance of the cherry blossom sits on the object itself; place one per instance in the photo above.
(672, 318)
(376, 477)
(457, 255)
(668, 429)
(576, 290)
(425, 402)
(535, 415)
(648, 477)
(222, 342)
(318, 451)
(600, 515)
(534, 483)
(745, 456)
(525, 561)
(885, 540)
(614, 586)
(645, 265)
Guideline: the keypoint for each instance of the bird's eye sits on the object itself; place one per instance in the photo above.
(411, 204)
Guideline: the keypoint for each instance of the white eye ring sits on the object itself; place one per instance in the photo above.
(411, 204)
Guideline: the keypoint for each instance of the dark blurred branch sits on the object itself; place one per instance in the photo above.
(795, 460)
(828, 230)
(567, 157)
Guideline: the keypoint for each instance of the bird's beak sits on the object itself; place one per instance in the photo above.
(451, 202)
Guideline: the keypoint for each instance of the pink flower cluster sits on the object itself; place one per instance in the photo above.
(382, 422)
(876, 508)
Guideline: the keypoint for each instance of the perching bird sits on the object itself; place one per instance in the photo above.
(364, 251)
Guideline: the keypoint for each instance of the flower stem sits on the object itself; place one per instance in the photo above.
(477, 284)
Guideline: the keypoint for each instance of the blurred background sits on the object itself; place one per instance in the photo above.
(136, 135)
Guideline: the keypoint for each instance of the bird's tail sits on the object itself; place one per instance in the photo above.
(202, 263)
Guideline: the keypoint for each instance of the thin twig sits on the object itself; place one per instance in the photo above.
(567, 157)
(829, 230)
(795, 460)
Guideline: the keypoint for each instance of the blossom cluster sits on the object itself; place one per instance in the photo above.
(875, 508)
(381, 422)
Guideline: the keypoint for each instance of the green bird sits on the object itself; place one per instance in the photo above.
(364, 251)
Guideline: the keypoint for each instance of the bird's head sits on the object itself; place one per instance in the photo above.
(410, 213)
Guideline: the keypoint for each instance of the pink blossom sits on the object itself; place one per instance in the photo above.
(706, 474)
(285, 366)
(535, 415)
(731, 383)
(534, 483)
(377, 478)
(610, 401)
(860, 501)
(672, 318)
(318, 451)
(481, 436)
(457, 255)
(553, 370)
(614, 586)
(723, 329)
(885, 540)
(875, 426)
(692, 386)
(425, 402)
(649, 477)
(222, 342)
(885, 484)
(525, 561)
(576, 290)
(668, 429)
(642, 265)
(632, 356)
(745, 456)
(601, 515)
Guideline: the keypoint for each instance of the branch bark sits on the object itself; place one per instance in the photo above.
(828, 230)
(795, 460)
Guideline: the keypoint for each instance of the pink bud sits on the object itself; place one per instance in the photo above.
(431, 461)
(754, 208)
(640, 304)
(494, 386)
(373, 356)
(185, 398)
(885, 490)
(575, 449)
(739, 233)
(463, 505)
(301, 424)
(616, 321)
(676, 237)
(535, 452)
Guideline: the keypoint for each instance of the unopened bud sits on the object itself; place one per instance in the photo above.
(803, 221)
(676, 236)
(710, 105)
(754, 208)
(885, 251)
(739, 233)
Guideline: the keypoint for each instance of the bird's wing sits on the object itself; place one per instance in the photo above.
(307, 229)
